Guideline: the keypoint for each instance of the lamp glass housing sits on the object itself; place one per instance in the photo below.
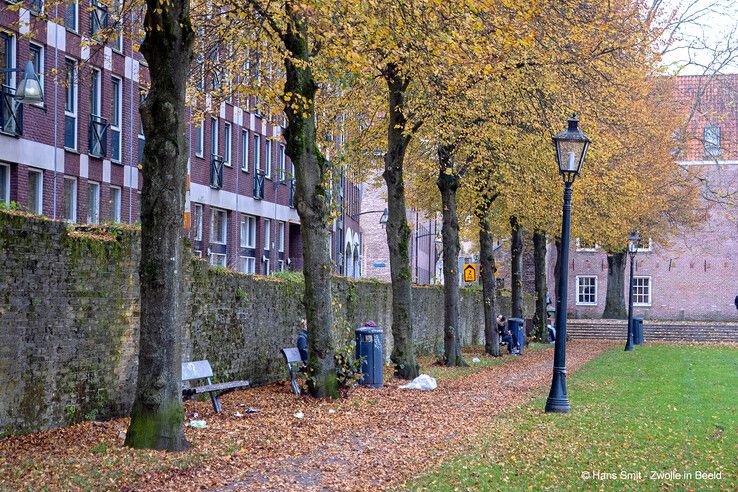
(633, 241)
(29, 89)
(571, 149)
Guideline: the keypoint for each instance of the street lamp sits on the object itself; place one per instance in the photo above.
(571, 150)
(29, 88)
(382, 219)
(633, 241)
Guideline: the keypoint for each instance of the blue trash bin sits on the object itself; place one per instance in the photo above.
(369, 349)
(517, 328)
(638, 331)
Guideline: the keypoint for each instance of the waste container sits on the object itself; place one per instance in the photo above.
(369, 350)
(516, 327)
(638, 331)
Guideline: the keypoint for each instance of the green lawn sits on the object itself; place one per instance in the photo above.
(664, 416)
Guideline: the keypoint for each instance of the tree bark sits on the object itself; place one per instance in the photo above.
(615, 299)
(311, 204)
(487, 273)
(516, 256)
(448, 183)
(157, 415)
(398, 231)
(539, 259)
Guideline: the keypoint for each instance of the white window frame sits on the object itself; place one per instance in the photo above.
(117, 94)
(636, 278)
(213, 237)
(218, 259)
(74, 28)
(93, 219)
(13, 59)
(581, 249)
(268, 159)
(576, 290)
(198, 221)
(647, 249)
(280, 265)
(115, 206)
(96, 92)
(267, 235)
(6, 199)
(40, 68)
(38, 207)
(248, 265)
(245, 151)
(267, 266)
(73, 218)
(227, 144)
(712, 148)
(257, 152)
(281, 162)
(280, 236)
(214, 137)
(248, 240)
(75, 102)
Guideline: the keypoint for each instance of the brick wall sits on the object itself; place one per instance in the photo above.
(69, 321)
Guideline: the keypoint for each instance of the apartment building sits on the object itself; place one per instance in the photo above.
(76, 156)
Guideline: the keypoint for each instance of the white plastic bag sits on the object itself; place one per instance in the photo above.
(423, 382)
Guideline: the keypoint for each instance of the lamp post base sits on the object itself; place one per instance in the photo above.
(557, 405)
(558, 400)
(629, 347)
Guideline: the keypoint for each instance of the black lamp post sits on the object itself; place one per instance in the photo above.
(633, 241)
(571, 150)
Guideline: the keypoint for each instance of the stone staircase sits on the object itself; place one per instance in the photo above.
(676, 331)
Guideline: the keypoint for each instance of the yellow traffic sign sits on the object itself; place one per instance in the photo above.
(470, 272)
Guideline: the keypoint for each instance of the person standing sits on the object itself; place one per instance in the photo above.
(302, 342)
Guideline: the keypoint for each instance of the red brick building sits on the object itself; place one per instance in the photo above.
(76, 157)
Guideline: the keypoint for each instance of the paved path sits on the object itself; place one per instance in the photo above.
(377, 438)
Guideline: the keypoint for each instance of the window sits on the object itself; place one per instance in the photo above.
(70, 200)
(641, 291)
(116, 118)
(257, 153)
(36, 192)
(586, 246)
(93, 203)
(281, 163)
(267, 234)
(248, 231)
(70, 105)
(248, 264)
(114, 204)
(36, 6)
(7, 58)
(4, 184)
(280, 265)
(11, 116)
(245, 151)
(645, 247)
(213, 136)
(227, 144)
(218, 226)
(280, 237)
(141, 136)
(268, 158)
(198, 222)
(586, 290)
(117, 37)
(70, 15)
(36, 54)
(265, 261)
(217, 259)
(98, 126)
(95, 92)
(712, 141)
(199, 138)
(98, 16)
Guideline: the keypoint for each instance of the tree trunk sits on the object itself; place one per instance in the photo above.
(615, 300)
(157, 415)
(539, 259)
(311, 204)
(487, 273)
(398, 232)
(448, 183)
(516, 256)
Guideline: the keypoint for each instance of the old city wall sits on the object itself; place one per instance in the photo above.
(69, 314)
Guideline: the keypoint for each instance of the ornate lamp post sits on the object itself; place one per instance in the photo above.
(571, 150)
(633, 241)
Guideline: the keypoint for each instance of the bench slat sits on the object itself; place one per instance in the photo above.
(219, 387)
(197, 369)
(292, 355)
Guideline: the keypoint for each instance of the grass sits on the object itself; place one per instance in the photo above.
(660, 417)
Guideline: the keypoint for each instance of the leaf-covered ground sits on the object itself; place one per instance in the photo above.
(374, 439)
(664, 417)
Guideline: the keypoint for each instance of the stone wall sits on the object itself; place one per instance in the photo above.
(69, 320)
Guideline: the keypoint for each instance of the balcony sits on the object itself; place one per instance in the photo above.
(98, 17)
(259, 185)
(216, 172)
(292, 193)
(98, 136)
(11, 112)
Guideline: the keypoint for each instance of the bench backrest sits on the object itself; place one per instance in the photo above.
(292, 355)
(197, 369)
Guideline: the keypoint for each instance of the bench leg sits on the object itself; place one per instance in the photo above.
(216, 401)
(295, 387)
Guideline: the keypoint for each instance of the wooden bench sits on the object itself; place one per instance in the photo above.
(200, 369)
(294, 366)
